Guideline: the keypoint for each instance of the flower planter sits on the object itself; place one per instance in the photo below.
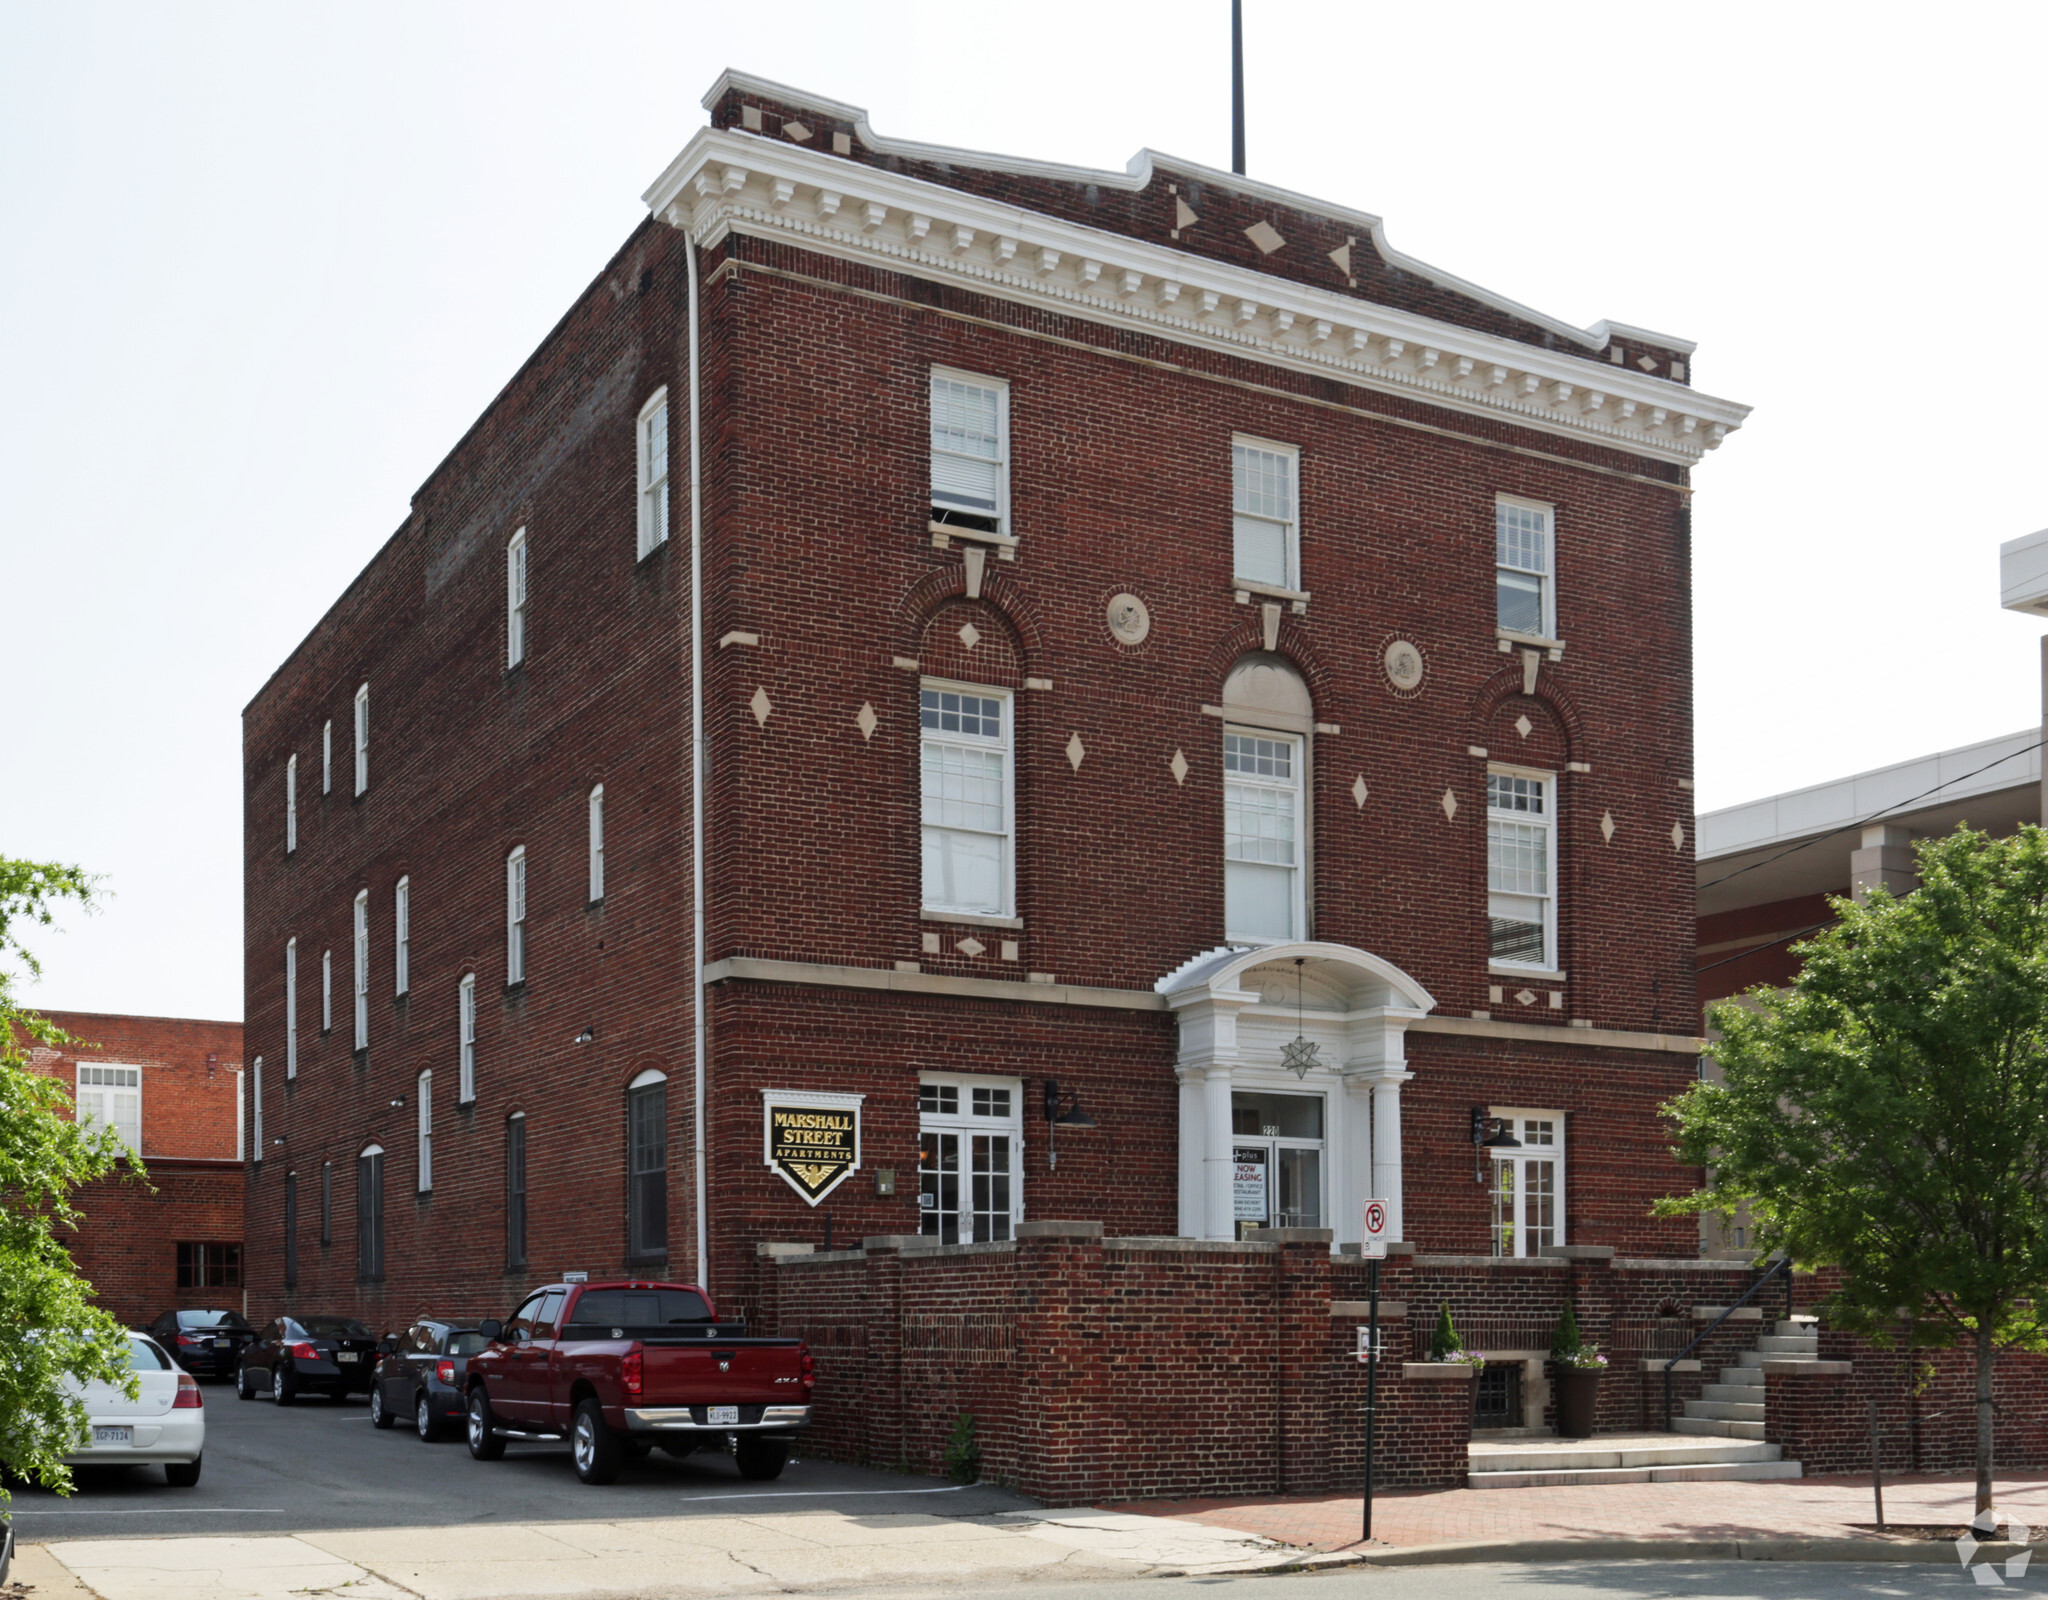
(1578, 1396)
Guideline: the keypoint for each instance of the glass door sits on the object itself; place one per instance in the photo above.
(1277, 1160)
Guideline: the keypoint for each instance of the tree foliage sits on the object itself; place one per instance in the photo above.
(1887, 1114)
(52, 1338)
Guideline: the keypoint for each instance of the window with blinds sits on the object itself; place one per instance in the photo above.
(1265, 534)
(970, 451)
(1522, 539)
(1262, 836)
(967, 800)
(1521, 861)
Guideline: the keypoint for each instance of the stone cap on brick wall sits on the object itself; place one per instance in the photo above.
(1739, 1314)
(1579, 1252)
(1458, 1370)
(1059, 1230)
(1656, 1364)
(1791, 1367)
(770, 1249)
(1395, 1247)
(1552, 1262)
(883, 1243)
(1390, 1310)
(1290, 1235)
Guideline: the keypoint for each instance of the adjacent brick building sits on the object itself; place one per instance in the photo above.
(1145, 627)
(172, 1087)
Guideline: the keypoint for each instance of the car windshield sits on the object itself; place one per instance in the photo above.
(467, 1344)
(144, 1356)
(334, 1327)
(211, 1319)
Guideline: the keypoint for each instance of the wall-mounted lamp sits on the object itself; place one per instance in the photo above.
(1489, 1133)
(278, 1140)
(398, 1104)
(1069, 1115)
(587, 1036)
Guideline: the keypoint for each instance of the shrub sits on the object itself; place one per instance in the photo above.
(963, 1451)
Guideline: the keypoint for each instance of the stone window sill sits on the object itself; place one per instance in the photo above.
(1509, 642)
(944, 533)
(1245, 589)
(968, 920)
(1495, 969)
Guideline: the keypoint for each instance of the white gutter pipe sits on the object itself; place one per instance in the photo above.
(700, 750)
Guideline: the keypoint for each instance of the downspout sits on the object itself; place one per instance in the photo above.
(699, 753)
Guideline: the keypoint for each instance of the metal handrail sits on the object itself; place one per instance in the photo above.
(1782, 1264)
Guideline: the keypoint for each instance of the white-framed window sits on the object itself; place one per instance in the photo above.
(652, 433)
(362, 738)
(110, 1096)
(647, 1165)
(401, 933)
(362, 987)
(1521, 867)
(327, 756)
(1265, 518)
(1264, 899)
(1524, 546)
(515, 916)
(256, 1107)
(970, 450)
(515, 599)
(291, 804)
(465, 1007)
(424, 1093)
(291, 1008)
(970, 1164)
(597, 844)
(968, 799)
(326, 991)
(1528, 1182)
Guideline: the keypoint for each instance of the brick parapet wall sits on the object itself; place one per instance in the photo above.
(127, 1244)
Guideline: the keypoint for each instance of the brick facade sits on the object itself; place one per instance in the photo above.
(821, 581)
(127, 1245)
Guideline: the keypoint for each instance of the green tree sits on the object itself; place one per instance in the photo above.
(1885, 1114)
(51, 1336)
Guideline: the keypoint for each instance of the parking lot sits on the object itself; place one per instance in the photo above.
(319, 1464)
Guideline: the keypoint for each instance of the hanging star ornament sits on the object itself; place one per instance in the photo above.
(1299, 1055)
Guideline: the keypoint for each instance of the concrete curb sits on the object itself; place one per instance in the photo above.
(1453, 1552)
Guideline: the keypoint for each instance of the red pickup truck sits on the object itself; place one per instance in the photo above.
(619, 1368)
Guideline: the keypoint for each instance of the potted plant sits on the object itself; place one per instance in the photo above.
(1446, 1345)
(1576, 1366)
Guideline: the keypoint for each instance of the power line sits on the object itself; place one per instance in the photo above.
(1783, 938)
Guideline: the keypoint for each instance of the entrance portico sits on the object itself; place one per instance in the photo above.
(1239, 1010)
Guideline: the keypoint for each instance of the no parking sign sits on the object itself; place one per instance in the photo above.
(1378, 1224)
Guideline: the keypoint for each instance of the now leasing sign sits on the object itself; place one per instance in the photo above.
(811, 1139)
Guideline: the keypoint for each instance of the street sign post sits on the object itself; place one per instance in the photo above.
(1378, 1224)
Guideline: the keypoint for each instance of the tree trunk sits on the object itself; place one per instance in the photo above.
(1984, 1359)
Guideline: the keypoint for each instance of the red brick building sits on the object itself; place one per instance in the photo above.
(172, 1086)
(1157, 657)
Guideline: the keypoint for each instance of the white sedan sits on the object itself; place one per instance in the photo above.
(166, 1422)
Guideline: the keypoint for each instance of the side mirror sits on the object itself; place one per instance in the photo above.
(492, 1329)
(388, 1345)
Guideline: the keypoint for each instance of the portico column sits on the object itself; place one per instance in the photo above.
(1216, 1157)
(1386, 1140)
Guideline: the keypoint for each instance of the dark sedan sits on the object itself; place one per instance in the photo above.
(422, 1376)
(334, 1356)
(206, 1343)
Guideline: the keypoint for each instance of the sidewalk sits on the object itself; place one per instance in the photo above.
(676, 1558)
(1796, 1508)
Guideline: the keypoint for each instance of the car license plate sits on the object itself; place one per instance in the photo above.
(722, 1416)
(346, 1355)
(113, 1436)
(222, 1344)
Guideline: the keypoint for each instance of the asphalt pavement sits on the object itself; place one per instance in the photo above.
(319, 1464)
(1578, 1580)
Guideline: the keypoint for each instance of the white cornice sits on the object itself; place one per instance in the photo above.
(727, 181)
(1138, 173)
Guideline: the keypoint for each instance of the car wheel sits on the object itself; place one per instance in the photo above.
(380, 1414)
(484, 1442)
(425, 1423)
(595, 1446)
(761, 1456)
(283, 1387)
(243, 1387)
(182, 1474)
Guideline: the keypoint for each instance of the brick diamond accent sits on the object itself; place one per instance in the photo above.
(866, 720)
(1678, 836)
(1075, 751)
(761, 705)
(1359, 791)
(970, 635)
(1450, 805)
(1178, 766)
(1524, 997)
(1607, 826)
(970, 946)
(1265, 236)
(1524, 726)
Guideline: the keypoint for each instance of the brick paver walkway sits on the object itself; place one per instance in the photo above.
(1785, 1508)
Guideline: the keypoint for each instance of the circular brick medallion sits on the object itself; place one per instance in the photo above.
(1130, 619)
(1405, 666)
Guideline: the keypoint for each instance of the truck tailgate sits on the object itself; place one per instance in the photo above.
(731, 1372)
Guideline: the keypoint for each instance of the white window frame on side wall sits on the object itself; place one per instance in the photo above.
(515, 600)
(401, 929)
(423, 1091)
(965, 1107)
(1262, 510)
(256, 1108)
(947, 758)
(327, 756)
(515, 916)
(291, 1008)
(1525, 554)
(326, 992)
(1249, 797)
(1519, 1183)
(650, 434)
(1515, 881)
(291, 804)
(108, 1094)
(363, 739)
(969, 487)
(596, 815)
(465, 1010)
(362, 970)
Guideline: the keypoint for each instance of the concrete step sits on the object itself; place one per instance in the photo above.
(1718, 1427)
(1756, 1358)
(1615, 1452)
(1741, 1394)
(1798, 1324)
(1743, 1377)
(1691, 1472)
(1793, 1344)
(1726, 1411)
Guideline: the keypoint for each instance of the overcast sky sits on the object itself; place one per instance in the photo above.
(261, 265)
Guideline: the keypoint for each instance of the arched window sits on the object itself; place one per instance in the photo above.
(647, 1165)
(1268, 719)
(515, 1191)
(291, 1230)
(425, 1096)
(370, 1214)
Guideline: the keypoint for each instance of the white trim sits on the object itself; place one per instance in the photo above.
(651, 494)
(1005, 745)
(515, 915)
(92, 1098)
(362, 738)
(1546, 634)
(401, 930)
(291, 804)
(361, 992)
(327, 990)
(1296, 787)
(594, 818)
(966, 1121)
(1553, 891)
(465, 1033)
(291, 1007)
(327, 756)
(999, 513)
(643, 1079)
(726, 181)
(423, 1094)
(1138, 174)
(1520, 1159)
(515, 599)
(256, 1106)
(370, 1150)
(1289, 582)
